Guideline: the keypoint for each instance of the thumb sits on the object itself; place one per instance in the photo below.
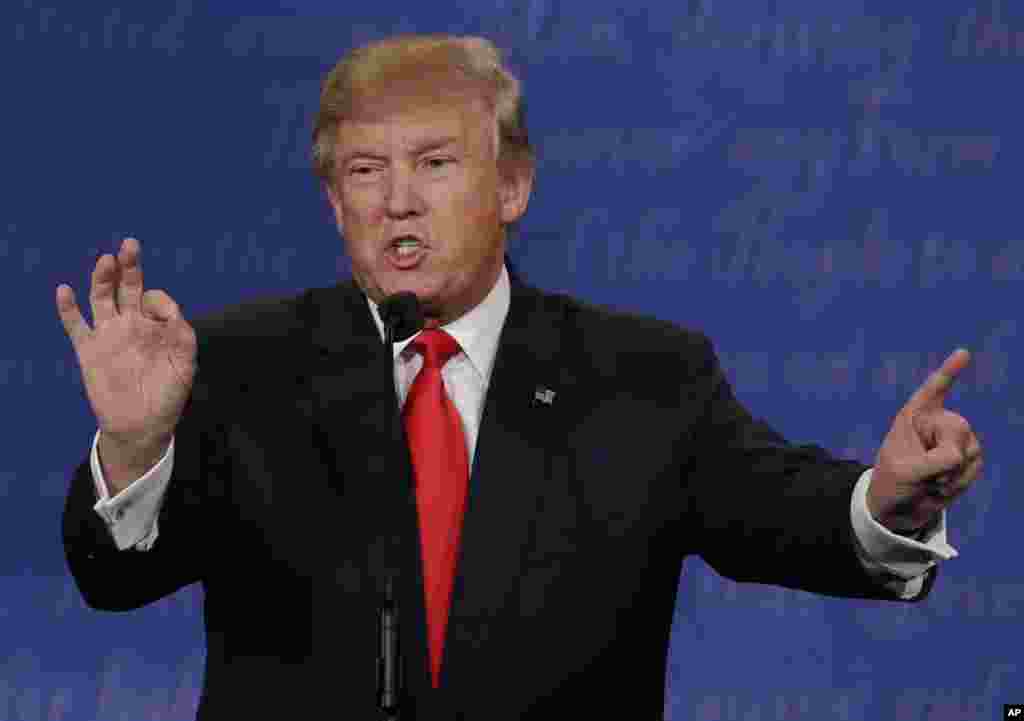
(941, 459)
(158, 306)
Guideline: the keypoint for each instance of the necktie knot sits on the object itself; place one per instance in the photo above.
(436, 346)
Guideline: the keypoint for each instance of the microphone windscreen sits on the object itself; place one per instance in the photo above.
(402, 313)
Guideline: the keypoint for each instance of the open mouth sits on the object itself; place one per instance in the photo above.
(406, 251)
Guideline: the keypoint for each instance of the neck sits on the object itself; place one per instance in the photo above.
(436, 317)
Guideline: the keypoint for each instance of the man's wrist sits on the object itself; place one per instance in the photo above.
(123, 464)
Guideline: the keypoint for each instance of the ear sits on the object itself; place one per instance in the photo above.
(335, 202)
(514, 193)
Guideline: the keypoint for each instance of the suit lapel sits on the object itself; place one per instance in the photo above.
(351, 379)
(513, 460)
(353, 409)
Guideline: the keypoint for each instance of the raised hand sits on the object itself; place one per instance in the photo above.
(929, 457)
(139, 361)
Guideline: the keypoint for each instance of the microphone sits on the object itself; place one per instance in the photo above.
(402, 317)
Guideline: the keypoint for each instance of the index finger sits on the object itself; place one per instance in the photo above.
(933, 391)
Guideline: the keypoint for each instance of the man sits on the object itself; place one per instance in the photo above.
(552, 466)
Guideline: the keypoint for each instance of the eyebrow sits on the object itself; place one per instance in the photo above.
(421, 147)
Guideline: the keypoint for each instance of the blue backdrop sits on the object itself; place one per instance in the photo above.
(828, 189)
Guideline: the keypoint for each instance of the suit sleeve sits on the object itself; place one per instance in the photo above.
(764, 510)
(110, 579)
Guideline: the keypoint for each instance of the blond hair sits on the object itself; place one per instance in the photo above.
(370, 70)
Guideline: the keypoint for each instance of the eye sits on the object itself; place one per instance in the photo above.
(363, 170)
(438, 162)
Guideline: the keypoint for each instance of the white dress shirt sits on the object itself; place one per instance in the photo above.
(132, 514)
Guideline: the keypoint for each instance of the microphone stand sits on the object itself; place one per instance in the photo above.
(402, 317)
(389, 680)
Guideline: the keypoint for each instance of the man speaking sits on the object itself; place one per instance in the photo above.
(515, 477)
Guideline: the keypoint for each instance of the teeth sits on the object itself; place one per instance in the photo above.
(406, 245)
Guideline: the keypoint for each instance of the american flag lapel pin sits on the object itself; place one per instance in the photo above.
(544, 395)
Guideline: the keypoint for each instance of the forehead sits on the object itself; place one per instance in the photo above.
(405, 122)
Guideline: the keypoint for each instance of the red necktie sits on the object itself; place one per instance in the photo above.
(441, 467)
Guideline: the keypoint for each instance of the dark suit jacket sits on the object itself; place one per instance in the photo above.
(291, 500)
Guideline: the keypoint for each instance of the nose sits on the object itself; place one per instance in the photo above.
(403, 195)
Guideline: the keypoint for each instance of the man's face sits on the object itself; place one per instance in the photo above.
(427, 170)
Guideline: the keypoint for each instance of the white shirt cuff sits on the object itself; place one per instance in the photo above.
(884, 553)
(131, 515)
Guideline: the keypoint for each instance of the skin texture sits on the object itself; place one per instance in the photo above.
(138, 363)
(930, 456)
(392, 177)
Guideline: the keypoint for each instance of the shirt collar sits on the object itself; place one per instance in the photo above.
(477, 331)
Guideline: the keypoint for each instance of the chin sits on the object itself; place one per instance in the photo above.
(421, 287)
